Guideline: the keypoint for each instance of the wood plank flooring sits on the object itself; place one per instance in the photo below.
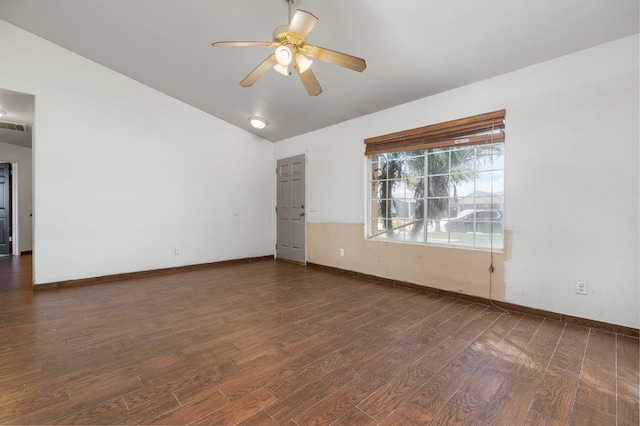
(273, 343)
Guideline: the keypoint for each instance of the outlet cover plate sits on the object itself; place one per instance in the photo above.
(581, 287)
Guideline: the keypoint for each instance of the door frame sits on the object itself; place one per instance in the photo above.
(15, 230)
(304, 154)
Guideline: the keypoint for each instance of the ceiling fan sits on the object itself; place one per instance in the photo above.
(291, 48)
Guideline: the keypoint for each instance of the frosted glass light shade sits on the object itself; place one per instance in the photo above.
(258, 122)
(303, 62)
(282, 69)
(284, 55)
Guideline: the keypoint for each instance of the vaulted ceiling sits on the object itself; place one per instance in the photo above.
(413, 48)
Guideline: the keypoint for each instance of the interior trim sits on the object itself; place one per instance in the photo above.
(131, 275)
(613, 328)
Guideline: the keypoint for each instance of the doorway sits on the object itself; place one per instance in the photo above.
(6, 233)
(16, 148)
(290, 209)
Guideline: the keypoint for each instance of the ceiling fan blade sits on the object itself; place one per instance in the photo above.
(242, 43)
(259, 71)
(302, 23)
(337, 58)
(310, 82)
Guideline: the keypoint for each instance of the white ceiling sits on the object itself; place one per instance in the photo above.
(413, 48)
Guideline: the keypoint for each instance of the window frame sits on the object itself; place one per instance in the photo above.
(456, 135)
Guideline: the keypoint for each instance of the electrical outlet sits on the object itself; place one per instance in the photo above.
(581, 287)
(177, 251)
(341, 252)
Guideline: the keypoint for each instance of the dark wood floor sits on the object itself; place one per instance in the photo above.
(276, 343)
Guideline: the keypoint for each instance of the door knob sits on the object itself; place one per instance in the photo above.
(301, 214)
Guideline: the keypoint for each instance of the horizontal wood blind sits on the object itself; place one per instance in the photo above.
(465, 131)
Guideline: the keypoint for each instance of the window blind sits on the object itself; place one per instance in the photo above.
(478, 129)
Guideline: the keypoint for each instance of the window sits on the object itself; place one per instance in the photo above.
(440, 184)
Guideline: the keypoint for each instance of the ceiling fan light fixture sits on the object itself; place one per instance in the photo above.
(282, 69)
(303, 62)
(291, 48)
(258, 123)
(284, 55)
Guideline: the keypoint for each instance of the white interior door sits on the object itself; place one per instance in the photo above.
(290, 211)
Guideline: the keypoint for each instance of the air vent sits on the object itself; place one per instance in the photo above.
(14, 126)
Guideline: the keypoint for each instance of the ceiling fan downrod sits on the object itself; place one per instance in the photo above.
(289, 3)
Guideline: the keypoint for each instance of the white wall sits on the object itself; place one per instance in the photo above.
(118, 184)
(571, 179)
(21, 156)
(124, 174)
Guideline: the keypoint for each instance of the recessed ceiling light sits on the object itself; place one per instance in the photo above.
(2, 113)
(258, 122)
